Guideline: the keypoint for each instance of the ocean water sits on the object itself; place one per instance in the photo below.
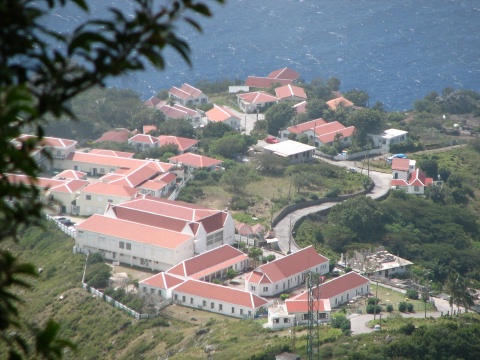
(398, 51)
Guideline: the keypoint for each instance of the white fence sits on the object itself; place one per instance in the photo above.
(119, 305)
(70, 231)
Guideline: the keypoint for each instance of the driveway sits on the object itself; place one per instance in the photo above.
(282, 230)
(247, 120)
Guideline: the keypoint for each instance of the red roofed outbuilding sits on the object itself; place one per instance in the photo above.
(291, 93)
(194, 161)
(253, 101)
(223, 115)
(183, 144)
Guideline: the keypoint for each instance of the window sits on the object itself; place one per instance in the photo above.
(152, 291)
(265, 289)
(204, 303)
(305, 316)
(183, 298)
(220, 307)
(144, 289)
(241, 311)
(88, 197)
(129, 246)
(276, 287)
(121, 245)
(416, 188)
(212, 305)
(233, 310)
(322, 315)
(176, 297)
(276, 321)
(159, 292)
(286, 320)
(110, 200)
(191, 301)
(253, 288)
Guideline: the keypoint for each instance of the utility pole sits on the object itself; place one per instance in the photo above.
(375, 308)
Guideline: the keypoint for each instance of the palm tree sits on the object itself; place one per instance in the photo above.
(459, 290)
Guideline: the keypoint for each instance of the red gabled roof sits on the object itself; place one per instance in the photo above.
(117, 135)
(110, 189)
(400, 164)
(340, 101)
(292, 264)
(152, 102)
(398, 182)
(177, 111)
(257, 97)
(185, 92)
(143, 139)
(71, 174)
(328, 132)
(195, 160)
(221, 293)
(162, 281)
(70, 186)
(301, 306)
(289, 91)
(419, 178)
(209, 262)
(133, 231)
(284, 73)
(309, 125)
(122, 154)
(336, 286)
(220, 114)
(181, 142)
(148, 128)
(265, 82)
(301, 107)
(244, 229)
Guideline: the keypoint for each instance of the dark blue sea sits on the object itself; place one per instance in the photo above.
(398, 51)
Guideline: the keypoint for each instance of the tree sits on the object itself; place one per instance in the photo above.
(315, 108)
(334, 84)
(361, 214)
(231, 273)
(37, 81)
(429, 166)
(180, 127)
(215, 130)
(237, 178)
(459, 290)
(366, 121)
(278, 116)
(228, 146)
(272, 162)
(358, 97)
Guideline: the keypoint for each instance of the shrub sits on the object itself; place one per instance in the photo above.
(95, 258)
(342, 323)
(412, 294)
(313, 196)
(333, 192)
(373, 309)
(410, 307)
(408, 328)
(402, 307)
(389, 308)
(373, 301)
(283, 297)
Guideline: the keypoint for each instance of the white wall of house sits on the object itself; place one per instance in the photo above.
(90, 168)
(416, 190)
(402, 175)
(346, 296)
(155, 291)
(394, 270)
(143, 145)
(132, 252)
(214, 306)
(286, 284)
(65, 199)
(92, 203)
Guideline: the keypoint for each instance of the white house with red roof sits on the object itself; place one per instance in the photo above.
(320, 132)
(253, 101)
(57, 148)
(153, 101)
(210, 228)
(61, 192)
(286, 273)
(159, 186)
(291, 93)
(71, 174)
(183, 144)
(187, 95)
(265, 82)
(94, 198)
(218, 298)
(325, 296)
(133, 243)
(223, 115)
(193, 162)
(204, 267)
(300, 108)
(114, 153)
(407, 178)
(143, 142)
(177, 112)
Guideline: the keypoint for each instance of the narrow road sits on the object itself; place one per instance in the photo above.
(282, 229)
(359, 322)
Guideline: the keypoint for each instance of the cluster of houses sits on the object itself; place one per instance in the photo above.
(134, 219)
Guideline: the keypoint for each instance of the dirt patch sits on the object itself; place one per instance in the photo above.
(194, 316)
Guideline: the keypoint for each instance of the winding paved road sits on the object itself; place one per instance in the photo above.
(282, 229)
